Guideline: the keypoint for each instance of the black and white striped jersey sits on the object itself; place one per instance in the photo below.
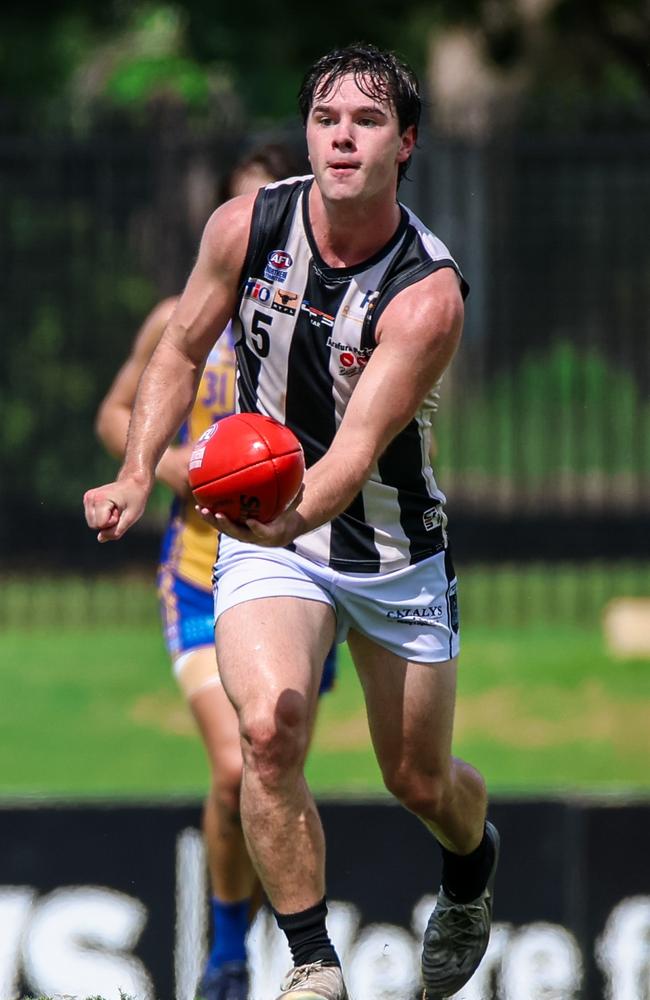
(303, 334)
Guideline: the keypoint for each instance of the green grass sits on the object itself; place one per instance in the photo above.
(95, 711)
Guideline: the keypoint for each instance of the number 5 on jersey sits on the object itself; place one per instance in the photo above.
(259, 337)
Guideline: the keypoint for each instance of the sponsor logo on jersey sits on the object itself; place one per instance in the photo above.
(285, 301)
(351, 360)
(429, 615)
(278, 263)
(359, 313)
(432, 518)
(259, 290)
(347, 313)
(317, 317)
(369, 299)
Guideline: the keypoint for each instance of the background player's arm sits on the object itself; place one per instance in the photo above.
(169, 382)
(417, 337)
(114, 414)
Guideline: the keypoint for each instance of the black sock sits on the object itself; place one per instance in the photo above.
(464, 876)
(307, 935)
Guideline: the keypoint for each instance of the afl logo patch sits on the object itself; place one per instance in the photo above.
(278, 263)
(281, 259)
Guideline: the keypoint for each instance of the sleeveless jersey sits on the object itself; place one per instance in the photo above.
(189, 545)
(303, 334)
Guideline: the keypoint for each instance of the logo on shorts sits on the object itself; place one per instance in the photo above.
(429, 615)
(454, 615)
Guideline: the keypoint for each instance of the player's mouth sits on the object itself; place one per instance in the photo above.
(342, 168)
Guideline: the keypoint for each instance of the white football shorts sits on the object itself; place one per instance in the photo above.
(412, 612)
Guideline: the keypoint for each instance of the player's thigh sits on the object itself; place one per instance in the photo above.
(410, 706)
(272, 650)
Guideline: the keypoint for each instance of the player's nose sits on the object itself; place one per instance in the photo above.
(342, 137)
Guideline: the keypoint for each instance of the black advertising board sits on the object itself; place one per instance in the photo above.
(101, 898)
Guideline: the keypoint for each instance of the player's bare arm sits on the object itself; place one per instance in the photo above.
(417, 337)
(169, 381)
(114, 414)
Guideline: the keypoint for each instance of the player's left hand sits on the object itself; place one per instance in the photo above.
(277, 533)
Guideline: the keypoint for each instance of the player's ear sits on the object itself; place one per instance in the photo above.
(408, 139)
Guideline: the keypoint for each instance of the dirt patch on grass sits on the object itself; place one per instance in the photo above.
(549, 716)
(536, 718)
(543, 716)
(350, 733)
(164, 711)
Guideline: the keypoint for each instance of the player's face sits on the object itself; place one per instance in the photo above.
(355, 144)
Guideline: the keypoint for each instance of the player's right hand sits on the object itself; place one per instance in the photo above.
(112, 509)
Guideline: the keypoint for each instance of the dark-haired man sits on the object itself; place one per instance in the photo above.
(352, 368)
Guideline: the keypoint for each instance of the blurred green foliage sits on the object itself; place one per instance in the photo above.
(56, 371)
(564, 421)
(201, 55)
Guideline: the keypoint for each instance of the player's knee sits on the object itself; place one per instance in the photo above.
(275, 739)
(424, 794)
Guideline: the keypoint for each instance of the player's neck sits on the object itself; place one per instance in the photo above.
(348, 233)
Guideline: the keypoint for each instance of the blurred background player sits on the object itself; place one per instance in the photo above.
(184, 585)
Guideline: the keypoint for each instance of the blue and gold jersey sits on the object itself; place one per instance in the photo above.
(189, 545)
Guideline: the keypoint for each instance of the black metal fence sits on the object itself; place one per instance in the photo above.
(543, 435)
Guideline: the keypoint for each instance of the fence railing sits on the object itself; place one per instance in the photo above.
(506, 595)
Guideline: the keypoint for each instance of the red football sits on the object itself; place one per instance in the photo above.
(247, 466)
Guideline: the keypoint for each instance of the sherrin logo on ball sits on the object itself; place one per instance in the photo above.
(252, 468)
(198, 451)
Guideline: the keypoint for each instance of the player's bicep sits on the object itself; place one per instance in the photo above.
(418, 337)
(419, 334)
(210, 295)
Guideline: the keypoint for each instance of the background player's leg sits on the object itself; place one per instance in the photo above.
(231, 871)
(232, 876)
